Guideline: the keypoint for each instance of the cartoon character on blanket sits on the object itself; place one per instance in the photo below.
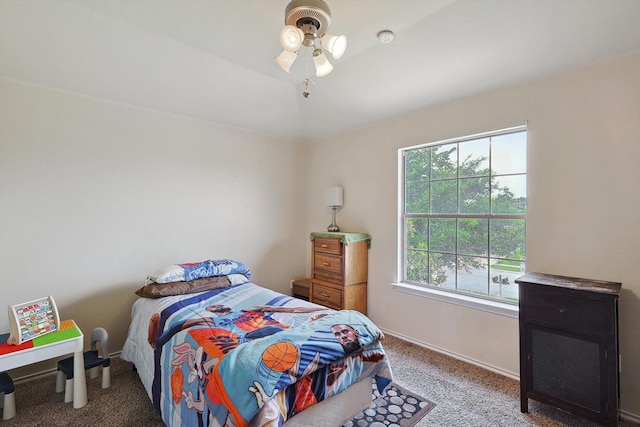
(238, 363)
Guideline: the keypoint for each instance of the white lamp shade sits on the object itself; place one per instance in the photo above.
(286, 59)
(291, 38)
(335, 45)
(323, 66)
(335, 196)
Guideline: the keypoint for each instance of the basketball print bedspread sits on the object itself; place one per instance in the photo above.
(245, 355)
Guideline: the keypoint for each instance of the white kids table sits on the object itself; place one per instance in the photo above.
(68, 339)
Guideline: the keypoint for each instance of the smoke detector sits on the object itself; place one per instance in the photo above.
(386, 36)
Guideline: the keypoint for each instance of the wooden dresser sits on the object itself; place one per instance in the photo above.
(339, 263)
(569, 345)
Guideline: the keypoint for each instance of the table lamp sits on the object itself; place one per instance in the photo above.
(334, 201)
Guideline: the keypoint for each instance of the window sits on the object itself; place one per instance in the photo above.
(463, 215)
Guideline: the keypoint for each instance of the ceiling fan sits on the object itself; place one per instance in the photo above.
(306, 24)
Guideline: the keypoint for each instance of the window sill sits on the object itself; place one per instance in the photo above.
(495, 307)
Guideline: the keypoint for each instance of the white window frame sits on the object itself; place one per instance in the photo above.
(432, 292)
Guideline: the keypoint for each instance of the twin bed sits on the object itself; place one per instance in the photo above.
(214, 349)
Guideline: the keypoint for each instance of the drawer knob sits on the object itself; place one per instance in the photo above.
(325, 295)
(324, 246)
(325, 263)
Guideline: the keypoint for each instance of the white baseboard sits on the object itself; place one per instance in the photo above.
(628, 416)
(491, 368)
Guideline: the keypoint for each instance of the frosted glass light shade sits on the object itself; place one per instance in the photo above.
(291, 38)
(286, 59)
(323, 66)
(335, 45)
(335, 196)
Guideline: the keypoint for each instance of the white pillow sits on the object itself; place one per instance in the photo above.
(237, 279)
(173, 273)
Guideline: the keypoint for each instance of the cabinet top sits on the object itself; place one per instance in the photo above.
(345, 238)
(579, 284)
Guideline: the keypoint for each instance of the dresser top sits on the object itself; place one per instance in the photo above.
(345, 238)
(579, 284)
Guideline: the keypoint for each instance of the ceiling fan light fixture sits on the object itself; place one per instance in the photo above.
(286, 59)
(306, 24)
(291, 38)
(323, 66)
(336, 45)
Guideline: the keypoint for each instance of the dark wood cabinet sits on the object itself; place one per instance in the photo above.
(569, 355)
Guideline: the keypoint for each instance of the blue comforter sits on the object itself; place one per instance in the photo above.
(245, 354)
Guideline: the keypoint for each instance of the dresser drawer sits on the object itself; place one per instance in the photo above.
(327, 296)
(566, 311)
(327, 267)
(329, 246)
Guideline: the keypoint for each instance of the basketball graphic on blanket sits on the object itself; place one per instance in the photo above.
(280, 357)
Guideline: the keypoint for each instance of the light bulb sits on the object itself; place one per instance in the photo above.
(291, 38)
(323, 66)
(335, 45)
(286, 59)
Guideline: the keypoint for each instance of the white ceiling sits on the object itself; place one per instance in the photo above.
(213, 59)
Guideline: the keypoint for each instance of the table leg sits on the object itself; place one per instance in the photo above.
(79, 381)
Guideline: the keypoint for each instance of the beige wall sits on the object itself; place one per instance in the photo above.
(584, 204)
(96, 195)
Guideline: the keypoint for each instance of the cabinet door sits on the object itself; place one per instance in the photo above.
(566, 370)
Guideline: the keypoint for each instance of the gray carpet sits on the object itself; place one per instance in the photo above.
(464, 395)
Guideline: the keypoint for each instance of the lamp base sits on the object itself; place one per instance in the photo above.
(333, 227)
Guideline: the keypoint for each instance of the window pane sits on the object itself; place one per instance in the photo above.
(418, 266)
(509, 153)
(417, 164)
(473, 236)
(472, 275)
(509, 194)
(444, 197)
(442, 269)
(417, 233)
(474, 158)
(442, 235)
(474, 195)
(417, 197)
(507, 238)
(444, 161)
(503, 275)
